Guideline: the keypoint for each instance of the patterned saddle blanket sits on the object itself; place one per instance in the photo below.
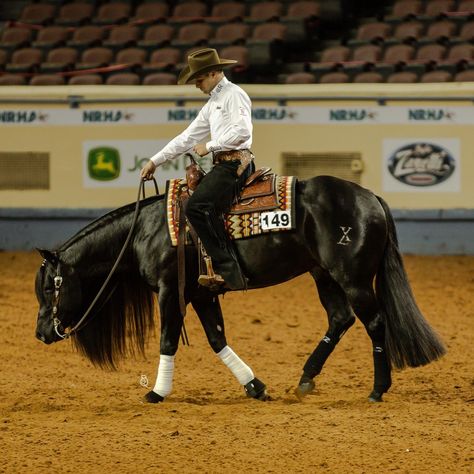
(265, 205)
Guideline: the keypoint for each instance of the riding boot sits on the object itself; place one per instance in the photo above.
(231, 272)
(205, 209)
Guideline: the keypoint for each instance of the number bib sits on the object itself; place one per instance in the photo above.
(275, 220)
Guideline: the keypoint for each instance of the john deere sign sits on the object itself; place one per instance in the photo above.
(103, 163)
(117, 163)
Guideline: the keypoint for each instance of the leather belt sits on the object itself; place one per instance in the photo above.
(244, 156)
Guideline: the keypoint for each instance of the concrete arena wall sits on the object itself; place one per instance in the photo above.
(372, 120)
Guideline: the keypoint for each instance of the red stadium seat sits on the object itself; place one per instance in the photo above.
(436, 7)
(464, 76)
(87, 36)
(37, 13)
(131, 56)
(436, 76)
(160, 79)
(12, 80)
(368, 77)
(405, 9)
(232, 33)
(75, 13)
(229, 11)
(123, 79)
(157, 35)
(112, 13)
(86, 79)
(15, 37)
(303, 9)
(334, 78)
(152, 11)
(402, 77)
(266, 11)
(47, 80)
(300, 78)
(411, 30)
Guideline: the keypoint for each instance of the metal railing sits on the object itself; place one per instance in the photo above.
(75, 101)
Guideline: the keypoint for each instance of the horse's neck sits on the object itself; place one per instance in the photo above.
(94, 249)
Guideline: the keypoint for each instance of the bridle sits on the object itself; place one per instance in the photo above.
(58, 279)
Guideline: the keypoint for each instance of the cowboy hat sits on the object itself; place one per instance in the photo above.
(200, 62)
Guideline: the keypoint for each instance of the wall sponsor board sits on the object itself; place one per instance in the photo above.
(421, 165)
(284, 115)
(117, 163)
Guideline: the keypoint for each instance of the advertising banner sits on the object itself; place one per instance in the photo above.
(421, 165)
(117, 163)
(343, 115)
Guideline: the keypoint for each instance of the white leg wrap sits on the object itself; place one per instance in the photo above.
(164, 379)
(243, 373)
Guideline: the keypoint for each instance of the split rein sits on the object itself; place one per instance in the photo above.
(58, 279)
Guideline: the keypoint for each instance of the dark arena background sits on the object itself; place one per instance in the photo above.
(377, 93)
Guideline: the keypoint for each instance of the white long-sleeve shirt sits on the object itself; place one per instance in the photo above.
(226, 116)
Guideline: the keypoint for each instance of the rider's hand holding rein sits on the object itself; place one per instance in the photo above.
(200, 149)
(148, 171)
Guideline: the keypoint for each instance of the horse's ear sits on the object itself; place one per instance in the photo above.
(48, 255)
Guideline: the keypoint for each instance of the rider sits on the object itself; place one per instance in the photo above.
(227, 118)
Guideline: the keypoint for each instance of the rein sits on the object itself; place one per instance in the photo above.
(58, 278)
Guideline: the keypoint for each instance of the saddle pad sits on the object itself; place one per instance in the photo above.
(241, 225)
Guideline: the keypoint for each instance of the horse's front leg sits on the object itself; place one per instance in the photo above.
(208, 308)
(171, 324)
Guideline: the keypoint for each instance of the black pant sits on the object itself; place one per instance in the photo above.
(205, 208)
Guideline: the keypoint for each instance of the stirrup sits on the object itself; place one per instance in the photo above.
(211, 282)
(211, 279)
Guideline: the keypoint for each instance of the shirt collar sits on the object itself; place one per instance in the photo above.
(219, 86)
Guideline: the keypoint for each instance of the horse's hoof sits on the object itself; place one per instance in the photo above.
(375, 397)
(257, 389)
(304, 389)
(152, 397)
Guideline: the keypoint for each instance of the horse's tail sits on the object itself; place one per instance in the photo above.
(409, 339)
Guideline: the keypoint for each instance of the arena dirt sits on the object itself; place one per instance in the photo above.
(60, 414)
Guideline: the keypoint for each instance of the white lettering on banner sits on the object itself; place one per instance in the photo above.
(310, 114)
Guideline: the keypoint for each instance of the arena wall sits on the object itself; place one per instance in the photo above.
(69, 153)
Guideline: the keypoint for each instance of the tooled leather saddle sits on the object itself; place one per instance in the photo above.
(258, 193)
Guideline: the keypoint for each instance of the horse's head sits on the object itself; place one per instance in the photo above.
(58, 291)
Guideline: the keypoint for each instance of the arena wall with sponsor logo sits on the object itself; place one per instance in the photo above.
(69, 153)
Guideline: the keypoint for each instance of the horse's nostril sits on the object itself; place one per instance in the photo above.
(40, 336)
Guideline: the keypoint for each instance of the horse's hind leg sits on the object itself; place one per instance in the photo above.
(340, 319)
(208, 308)
(364, 304)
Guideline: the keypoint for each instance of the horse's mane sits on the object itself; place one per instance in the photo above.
(123, 324)
(106, 219)
(124, 321)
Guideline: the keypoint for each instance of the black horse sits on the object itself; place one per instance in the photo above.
(345, 238)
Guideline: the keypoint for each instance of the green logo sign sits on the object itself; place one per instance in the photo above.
(103, 163)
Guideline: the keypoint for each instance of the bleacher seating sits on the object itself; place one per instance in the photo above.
(274, 41)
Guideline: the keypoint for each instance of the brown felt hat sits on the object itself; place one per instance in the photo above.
(200, 62)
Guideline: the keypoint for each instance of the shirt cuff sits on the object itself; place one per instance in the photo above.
(212, 146)
(158, 159)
